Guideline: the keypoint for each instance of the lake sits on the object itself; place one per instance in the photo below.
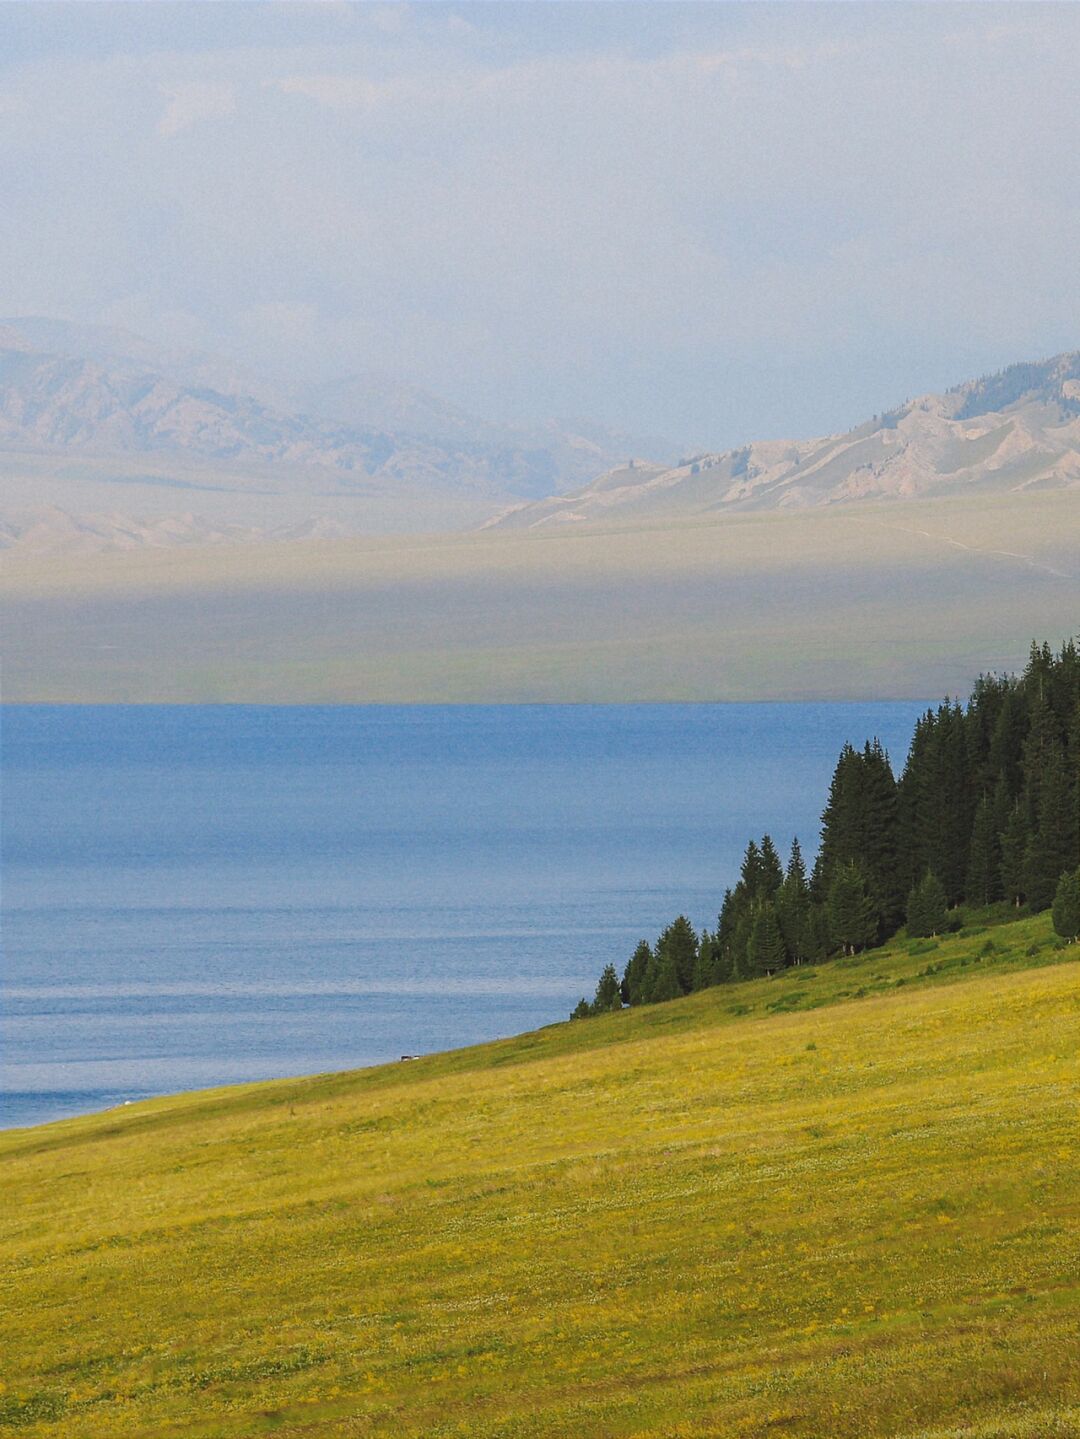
(203, 895)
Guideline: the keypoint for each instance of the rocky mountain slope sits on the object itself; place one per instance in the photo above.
(84, 410)
(1016, 430)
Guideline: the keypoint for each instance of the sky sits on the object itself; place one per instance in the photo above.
(711, 222)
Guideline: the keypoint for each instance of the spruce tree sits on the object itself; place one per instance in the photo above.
(608, 993)
(1014, 844)
(707, 968)
(1066, 908)
(703, 972)
(926, 908)
(937, 801)
(820, 942)
(793, 907)
(771, 870)
(983, 883)
(852, 921)
(1051, 848)
(861, 824)
(637, 967)
(1005, 755)
(765, 951)
(680, 942)
(662, 982)
(751, 875)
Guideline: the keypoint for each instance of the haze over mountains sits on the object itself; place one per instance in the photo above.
(108, 441)
(1014, 431)
(101, 433)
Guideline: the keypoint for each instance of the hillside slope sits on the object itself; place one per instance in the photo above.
(1014, 431)
(840, 1203)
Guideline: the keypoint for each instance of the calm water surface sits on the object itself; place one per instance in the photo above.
(198, 896)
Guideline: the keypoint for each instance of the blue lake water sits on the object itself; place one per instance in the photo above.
(198, 896)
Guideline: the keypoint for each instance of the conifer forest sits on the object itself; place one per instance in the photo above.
(986, 812)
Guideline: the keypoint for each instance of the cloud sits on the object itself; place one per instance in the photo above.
(756, 220)
(349, 92)
(189, 102)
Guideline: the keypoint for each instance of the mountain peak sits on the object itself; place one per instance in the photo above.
(1014, 430)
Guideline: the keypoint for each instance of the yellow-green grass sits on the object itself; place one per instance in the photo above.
(828, 1204)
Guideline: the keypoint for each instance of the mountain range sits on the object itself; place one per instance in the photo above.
(1012, 431)
(85, 410)
(109, 441)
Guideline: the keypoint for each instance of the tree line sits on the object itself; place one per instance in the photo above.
(986, 811)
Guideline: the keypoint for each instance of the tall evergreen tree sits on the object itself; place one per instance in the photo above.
(1005, 755)
(983, 883)
(860, 824)
(608, 993)
(793, 908)
(937, 801)
(1051, 848)
(926, 908)
(772, 872)
(852, 922)
(707, 967)
(661, 981)
(1065, 912)
(752, 873)
(726, 927)
(820, 942)
(765, 950)
(1014, 846)
(680, 943)
(637, 967)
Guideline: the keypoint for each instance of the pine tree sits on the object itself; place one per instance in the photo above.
(751, 875)
(702, 973)
(1066, 908)
(1014, 844)
(582, 1010)
(1051, 848)
(741, 943)
(937, 801)
(820, 942)
(983, 883)
(861, 824)
(1005, 755)
(680, 942)
(634, 975)
(608, 993)
(765, 951)
(707, 967)
(852, 921)
(926, 908)
(1073, 754)
(662, 982)
(793, 906)
(772, 873)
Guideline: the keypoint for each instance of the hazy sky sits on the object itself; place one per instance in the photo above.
(718, 222)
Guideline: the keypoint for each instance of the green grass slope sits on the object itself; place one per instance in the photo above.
(843, 1202)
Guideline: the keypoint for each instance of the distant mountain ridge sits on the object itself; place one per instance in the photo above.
(1015, 430)
(86, 408)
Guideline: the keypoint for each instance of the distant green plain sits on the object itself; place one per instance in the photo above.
(905, 600)
(837, 1204)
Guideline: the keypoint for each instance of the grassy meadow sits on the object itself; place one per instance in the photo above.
(841, 1202)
